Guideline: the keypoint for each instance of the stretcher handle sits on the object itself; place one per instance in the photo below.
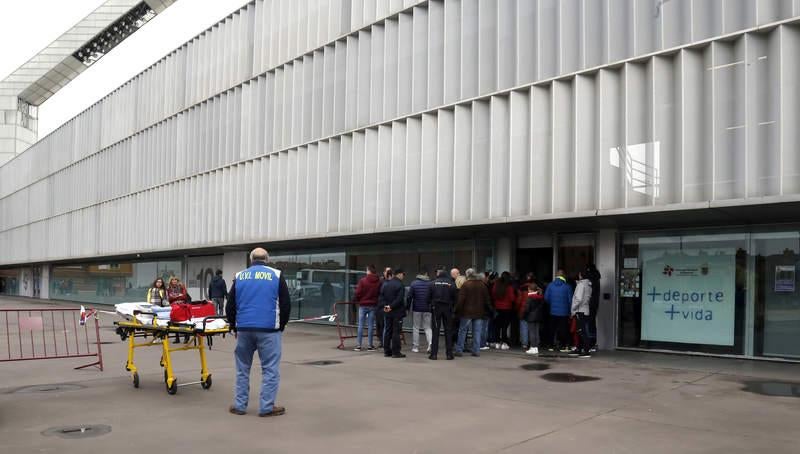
(213, 317)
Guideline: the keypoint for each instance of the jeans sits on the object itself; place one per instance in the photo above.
(421, 320)
(268, 346)
(484, 331)
(477, 330)
(523, 333)
(533, 334)
(366, 313)
(220, 303)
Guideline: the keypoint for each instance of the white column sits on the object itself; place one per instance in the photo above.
(44, 286)
(232, 263)
(606, 259)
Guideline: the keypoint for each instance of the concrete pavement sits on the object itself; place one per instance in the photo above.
(635, 402)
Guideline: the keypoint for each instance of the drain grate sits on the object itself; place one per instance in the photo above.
(535, 366)
(76, 432)
(773, 388)
(322, 363)
(52, 388)
(566, 377)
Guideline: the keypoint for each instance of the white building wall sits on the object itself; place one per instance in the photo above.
(287, 116)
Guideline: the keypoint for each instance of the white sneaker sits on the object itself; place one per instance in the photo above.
(532, 351)
(415, 350)
(484, 348)
(504, 346)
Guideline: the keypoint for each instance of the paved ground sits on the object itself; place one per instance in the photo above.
(639, 403)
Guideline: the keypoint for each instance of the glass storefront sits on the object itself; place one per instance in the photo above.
(318, 279)
(9, 281)
(110, 283)
(728, 292)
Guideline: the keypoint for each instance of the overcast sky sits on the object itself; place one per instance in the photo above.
(27, 26)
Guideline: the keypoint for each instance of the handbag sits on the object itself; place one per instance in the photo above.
(180, 312)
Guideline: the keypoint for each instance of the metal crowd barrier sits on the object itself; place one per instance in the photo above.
(58, 333)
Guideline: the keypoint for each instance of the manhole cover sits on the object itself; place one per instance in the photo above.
(81, 431)
(773, 388)
(322, 363)
(566, 377)
(54, 388)
(535, 366)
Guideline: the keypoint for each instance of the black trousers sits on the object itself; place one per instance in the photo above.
(560, 328)
(391, 340)
(379, 324)
(442, 318)
(502, 322)
(584, 325)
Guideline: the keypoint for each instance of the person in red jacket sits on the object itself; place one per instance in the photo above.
(367, 298)
(504, 296)
(176, 294)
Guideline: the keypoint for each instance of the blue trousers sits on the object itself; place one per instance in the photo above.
(366, 314)
(477, 330)
(268, 346)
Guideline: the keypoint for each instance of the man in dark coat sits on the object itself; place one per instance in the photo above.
(443, 294)
(392, 300)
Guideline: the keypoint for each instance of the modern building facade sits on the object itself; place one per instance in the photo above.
(657, 139)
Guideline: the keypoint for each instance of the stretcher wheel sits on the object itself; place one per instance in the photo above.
(207, 383)
(174, 388)
(136, 379)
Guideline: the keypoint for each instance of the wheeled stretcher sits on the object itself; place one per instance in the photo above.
(160, 332)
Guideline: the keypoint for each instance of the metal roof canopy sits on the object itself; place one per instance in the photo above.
(78, 48)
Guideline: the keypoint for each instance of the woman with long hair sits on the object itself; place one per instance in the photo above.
(176, 293)
(504, 297)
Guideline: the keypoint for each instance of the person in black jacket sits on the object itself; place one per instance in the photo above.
(392, 299)
(594, 303)
(534, 314)
(443, 294)
(217, 291)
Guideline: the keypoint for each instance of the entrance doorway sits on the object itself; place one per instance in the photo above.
(538, 261)
(574, 253)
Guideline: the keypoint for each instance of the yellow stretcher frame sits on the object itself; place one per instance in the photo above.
(133, 329)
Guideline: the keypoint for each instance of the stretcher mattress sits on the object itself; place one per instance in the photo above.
(126, 310)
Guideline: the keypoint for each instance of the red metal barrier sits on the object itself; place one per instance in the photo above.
(32, 334)
(345, 311)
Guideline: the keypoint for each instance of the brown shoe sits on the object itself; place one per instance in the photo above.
(236, 411)
(276, 411)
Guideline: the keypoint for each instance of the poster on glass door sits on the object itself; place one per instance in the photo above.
(689, 298)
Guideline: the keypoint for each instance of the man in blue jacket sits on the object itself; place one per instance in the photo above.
(418, 301)
(559, 297)
(258, 310)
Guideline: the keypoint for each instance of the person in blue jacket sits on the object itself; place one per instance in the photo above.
(559, 297)
(258, 310)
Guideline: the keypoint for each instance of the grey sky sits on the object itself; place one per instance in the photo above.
(27, 26)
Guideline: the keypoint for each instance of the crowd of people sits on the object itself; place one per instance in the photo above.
(560, 316)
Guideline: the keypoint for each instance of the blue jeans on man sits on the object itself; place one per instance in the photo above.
(523, 333)
(268, 345)
(366, 314)
(477, 330)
